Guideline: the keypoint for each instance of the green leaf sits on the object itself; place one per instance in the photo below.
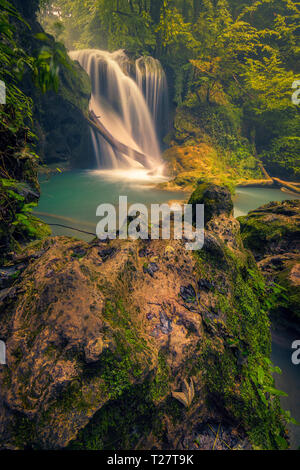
(262, 396)
(282, 443)
(42, 37)
(260, 375)
(274, 391)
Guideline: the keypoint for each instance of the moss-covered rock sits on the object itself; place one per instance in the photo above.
(272, 229)
(217, 200)
(197, 161)
(272, 233)
(206, 144)
(97, 347)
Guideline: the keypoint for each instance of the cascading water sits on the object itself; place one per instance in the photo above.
(119, 104)
(152, 81)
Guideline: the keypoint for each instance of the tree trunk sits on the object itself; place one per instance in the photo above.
(116, 145)
(155, 10)
(185, 10)
(197, 8)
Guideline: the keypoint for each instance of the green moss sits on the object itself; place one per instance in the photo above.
(217, 200)
(121, 423)
(215, 130)
(289, 299)
(127, 419)
(275, 224)
(232, 370)
(256, 232)
(116, 370)
(75, 85)
(23, 431)
(161, 383)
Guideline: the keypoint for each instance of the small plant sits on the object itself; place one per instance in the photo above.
(263, 388)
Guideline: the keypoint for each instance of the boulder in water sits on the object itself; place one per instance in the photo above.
(216, 199)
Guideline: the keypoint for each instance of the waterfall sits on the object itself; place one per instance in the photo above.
(152, 81)
(119, 104)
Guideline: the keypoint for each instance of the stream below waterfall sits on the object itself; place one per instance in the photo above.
(72, 197)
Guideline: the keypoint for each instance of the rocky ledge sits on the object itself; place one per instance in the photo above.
(138, 344)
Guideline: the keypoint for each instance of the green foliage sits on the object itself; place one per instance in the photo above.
(283, 157)
(12, 63)
(50, 57)
(16, 220)
(18, 184)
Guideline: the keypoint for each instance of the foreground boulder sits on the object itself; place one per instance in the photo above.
(272, 233)
(105, 353)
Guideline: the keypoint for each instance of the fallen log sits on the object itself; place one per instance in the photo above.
(264, 171)
(116, 144)
(286, 185)
(271, 181)
(256, 183)
(292, 188)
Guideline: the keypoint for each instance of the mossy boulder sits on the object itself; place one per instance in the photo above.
(272, 229)
(99, 350)
(272, 233)
(198, 161)
(206, 144)
(216, 199)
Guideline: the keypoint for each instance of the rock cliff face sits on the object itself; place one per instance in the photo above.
(137, 344)
(63, 135)
(272, 233)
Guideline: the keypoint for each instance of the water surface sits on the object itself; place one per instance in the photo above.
(248, 199)
(71, 198)
(289, 380)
